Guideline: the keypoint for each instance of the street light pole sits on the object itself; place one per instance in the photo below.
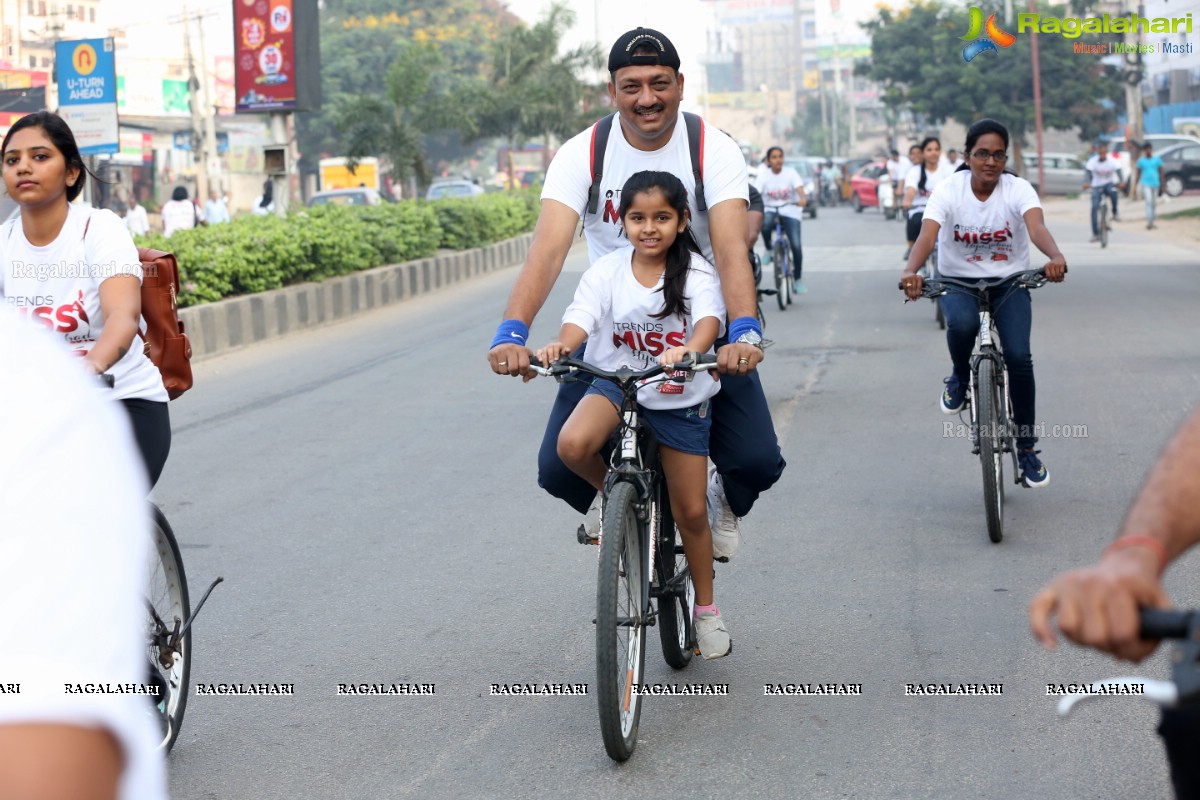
(1037, 103)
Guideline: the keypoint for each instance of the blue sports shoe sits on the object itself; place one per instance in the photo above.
(954, 397)
(1033, 472)
(798, 288)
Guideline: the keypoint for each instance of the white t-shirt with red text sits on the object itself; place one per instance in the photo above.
(982, 238)
(58, 285)
(616, 310)
(781, 192)
(932, 179)
(570, 176)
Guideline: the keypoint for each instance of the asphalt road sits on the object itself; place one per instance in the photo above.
(368, 492)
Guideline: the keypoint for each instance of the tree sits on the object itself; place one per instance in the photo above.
(529, 89)
(917, 57)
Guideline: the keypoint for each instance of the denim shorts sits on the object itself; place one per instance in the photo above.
(682, 429)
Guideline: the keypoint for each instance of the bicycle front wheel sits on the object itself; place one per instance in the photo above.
(620, 624)
(1103, 221)
(991, 448)
(677, 603)
(168, 607)
(780, 258)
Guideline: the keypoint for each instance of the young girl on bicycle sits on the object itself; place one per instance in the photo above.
(658, 301)
(783, 196)
(76, 270)
(982, 219)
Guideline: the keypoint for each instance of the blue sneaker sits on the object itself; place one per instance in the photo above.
(954, 396)
(1033, 472)
(798, 288)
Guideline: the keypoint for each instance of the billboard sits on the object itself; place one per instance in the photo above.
(87, 92)
(276, 55)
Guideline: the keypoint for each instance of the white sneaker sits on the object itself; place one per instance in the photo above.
(712, 637)
(726, 528)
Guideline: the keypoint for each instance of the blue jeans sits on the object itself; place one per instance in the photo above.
(1150, 195)
(1012, 310)
(1098, 193)
(792, 228)
(742, 443)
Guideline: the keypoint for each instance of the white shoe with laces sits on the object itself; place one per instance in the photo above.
(726, 528)
(712, 637)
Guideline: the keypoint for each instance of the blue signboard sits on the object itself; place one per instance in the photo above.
(87, 93)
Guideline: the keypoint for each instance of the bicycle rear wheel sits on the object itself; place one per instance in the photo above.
(780, 256)
(674, 612)
(991, 448)
(620, 624)
(167, 596)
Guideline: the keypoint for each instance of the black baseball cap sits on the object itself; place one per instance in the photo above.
(621, 54)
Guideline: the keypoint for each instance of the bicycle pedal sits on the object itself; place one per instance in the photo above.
(582, 537)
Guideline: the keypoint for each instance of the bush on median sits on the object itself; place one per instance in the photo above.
(256, 254)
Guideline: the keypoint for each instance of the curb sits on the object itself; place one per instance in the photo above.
(233, 323)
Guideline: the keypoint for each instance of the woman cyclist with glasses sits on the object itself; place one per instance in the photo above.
(982, 219)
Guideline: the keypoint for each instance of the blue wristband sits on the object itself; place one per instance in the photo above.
(513, 331)
(743, 325)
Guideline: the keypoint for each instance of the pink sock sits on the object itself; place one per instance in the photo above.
(707, 610)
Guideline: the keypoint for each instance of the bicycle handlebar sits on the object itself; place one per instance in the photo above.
(565, 368)
(1165, 623)
(936, 287)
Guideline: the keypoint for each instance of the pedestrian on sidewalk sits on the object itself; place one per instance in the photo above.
(1149, 174)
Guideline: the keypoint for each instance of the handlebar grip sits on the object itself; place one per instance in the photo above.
(1164, 623)
(533, 361)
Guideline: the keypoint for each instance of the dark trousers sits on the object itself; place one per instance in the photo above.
(1012, 309)
(152, 430)
(742, 444)
(1180, 732)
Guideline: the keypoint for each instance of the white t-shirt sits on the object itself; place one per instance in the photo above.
(178, 215)
(137, 221)
(59, 286)
(1103, 172)
(932, 179)
(616, 310)
(895, 170)
(985, 239)
(74, 545)
(779, 191)
(570, 176)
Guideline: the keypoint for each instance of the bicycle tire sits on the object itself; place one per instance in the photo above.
(762, 319)
(1103, 221)
(991, 449)
(674, 613)
(619, 577)
(167, 592)
(779, 257)
(938, 314)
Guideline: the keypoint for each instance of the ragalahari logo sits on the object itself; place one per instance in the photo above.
(988, 43)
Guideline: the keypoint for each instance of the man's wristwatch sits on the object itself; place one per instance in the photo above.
(750, 337)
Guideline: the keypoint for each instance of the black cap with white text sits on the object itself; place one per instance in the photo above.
(622, 55)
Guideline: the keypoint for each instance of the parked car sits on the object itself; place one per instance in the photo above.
(1181, 168)
(805, 171)
(864, 185)
(1159, 141)
(443, 189)
(1063, 173)
(361, 196)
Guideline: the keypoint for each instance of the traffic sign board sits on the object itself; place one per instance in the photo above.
(87, 93)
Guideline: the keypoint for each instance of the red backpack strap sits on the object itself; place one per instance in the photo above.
(599, 144)
(695, 132)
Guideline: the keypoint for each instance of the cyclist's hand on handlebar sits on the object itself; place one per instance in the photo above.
(675, 355)
(913, 285)
(738, 358)
(511, 359)
(1097, 606)
(552, 352)
(1056, 269)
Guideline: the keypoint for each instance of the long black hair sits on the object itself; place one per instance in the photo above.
(679, 254)
(925, 143)
(268, 195)
(59, 134)
(980, 128)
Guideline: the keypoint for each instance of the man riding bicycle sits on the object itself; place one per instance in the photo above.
(646, 88)
(1103, 176)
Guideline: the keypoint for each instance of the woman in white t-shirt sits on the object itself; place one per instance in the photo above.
(76, 270)
(657, 301)
(782, 189)
(920, 182)
(983, 219)
(178, 213)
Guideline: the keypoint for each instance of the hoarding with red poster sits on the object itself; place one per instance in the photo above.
(276, 55)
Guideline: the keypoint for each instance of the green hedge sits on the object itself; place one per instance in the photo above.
(255, 254)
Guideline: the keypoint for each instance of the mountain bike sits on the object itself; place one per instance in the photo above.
(643, 579)
(1182, 691)
(992, 427)
(781, 259)
(169, 622)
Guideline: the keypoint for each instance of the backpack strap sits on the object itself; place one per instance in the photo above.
(695, 132)
(600, 133)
